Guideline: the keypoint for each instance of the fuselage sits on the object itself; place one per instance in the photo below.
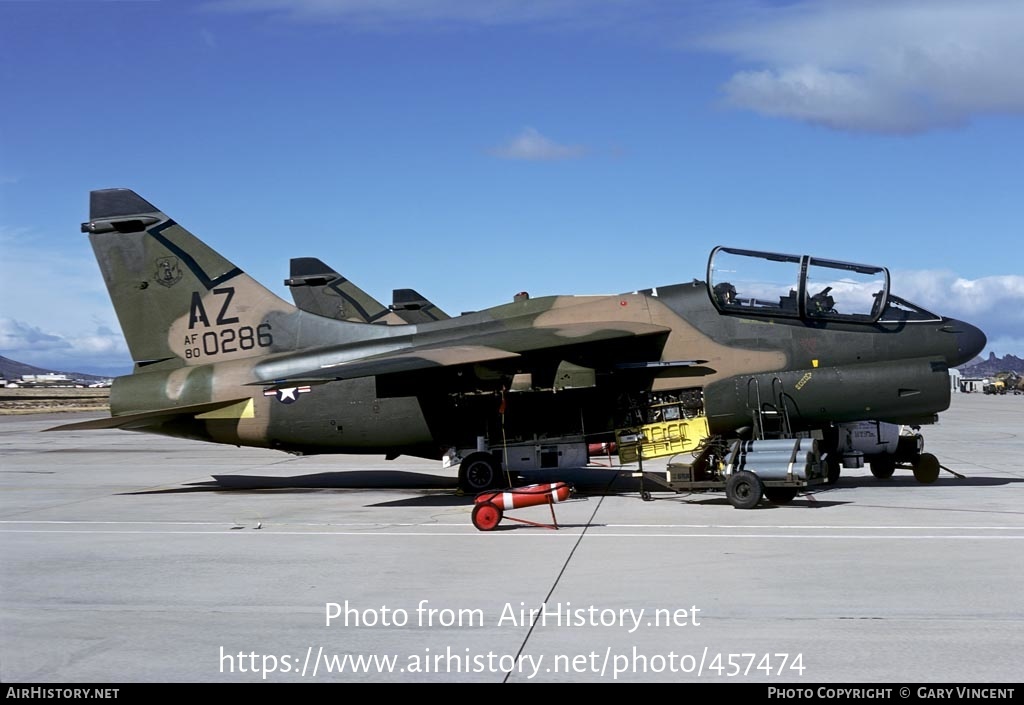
(219, 357)
(825, 372)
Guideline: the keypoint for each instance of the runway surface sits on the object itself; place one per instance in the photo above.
(123, 560)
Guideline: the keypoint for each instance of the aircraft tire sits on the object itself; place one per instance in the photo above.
(744, 489)
(780, 495)
(926, 468)
(486, 516)
(883, 466)
(479, 472)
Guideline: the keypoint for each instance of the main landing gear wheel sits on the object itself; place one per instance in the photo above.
(780, 495)
(486, 516)
(744, 489)
(479, 472)
(926, 468)
(882, 466)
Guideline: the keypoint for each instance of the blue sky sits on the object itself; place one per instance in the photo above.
(472, 150)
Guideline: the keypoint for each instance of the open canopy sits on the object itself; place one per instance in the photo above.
(797, 286)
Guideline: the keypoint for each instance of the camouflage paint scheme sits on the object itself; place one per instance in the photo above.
(220, 358)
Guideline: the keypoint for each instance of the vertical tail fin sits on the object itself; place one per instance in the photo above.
(320, 290)
(178, 301)
(414, 307)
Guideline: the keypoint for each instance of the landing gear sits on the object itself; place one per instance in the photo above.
(479, 472)
(744, 489)
(926, 468)
(885, 446)
(883, 466)
(925, 465)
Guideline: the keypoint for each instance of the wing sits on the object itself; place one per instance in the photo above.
(508, 351)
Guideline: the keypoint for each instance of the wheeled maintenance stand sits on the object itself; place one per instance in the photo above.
(774, 469)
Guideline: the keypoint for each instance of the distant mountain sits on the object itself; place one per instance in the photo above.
(980, 367)
(13, 370)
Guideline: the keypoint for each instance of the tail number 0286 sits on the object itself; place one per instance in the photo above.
(228, 340)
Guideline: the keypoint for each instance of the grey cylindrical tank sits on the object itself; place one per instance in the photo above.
(776, 470)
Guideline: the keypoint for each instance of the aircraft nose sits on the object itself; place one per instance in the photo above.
(970, 341)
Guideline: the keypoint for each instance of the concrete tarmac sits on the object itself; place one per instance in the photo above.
(123, 560)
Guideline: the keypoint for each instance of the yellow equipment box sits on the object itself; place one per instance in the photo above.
(656, 440)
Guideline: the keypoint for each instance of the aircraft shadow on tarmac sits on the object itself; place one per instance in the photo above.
(441, 491)
(710, 499)
(944, 480)
(437, 494)
(350, 479)
(583, 479)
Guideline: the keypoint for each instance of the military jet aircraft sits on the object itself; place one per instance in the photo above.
(767, 345)
(319, 289)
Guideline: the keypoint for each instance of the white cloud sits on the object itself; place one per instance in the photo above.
(833, 99)
(897, 66)
(57, 313)
(530, 145)
(97, 350)
(995, 303)
(889, 66)
(16, 337)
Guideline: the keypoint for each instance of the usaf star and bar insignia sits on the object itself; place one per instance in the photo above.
(287, 395)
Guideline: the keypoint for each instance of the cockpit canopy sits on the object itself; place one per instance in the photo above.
(796, 286)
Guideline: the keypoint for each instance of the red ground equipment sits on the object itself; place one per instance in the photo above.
(490, 506)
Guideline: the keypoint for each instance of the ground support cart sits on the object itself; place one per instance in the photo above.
(775, 469)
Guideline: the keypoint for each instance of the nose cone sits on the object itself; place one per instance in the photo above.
(970, 341)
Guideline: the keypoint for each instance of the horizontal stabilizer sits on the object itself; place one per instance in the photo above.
(149, 418)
